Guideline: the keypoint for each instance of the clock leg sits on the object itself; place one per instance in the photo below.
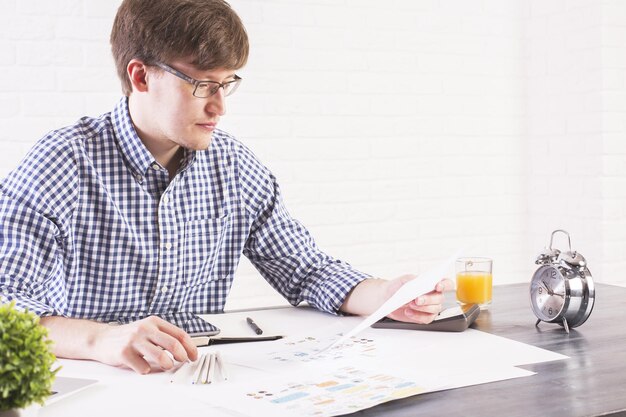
(538, 321)
(565, 325)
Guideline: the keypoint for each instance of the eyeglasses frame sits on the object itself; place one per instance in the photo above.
(197, 83)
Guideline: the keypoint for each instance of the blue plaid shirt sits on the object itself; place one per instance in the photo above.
(92, 227)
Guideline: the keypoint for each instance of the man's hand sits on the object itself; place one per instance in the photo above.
(144, 342)
(422, 309)
(370, 294)
(137, 345)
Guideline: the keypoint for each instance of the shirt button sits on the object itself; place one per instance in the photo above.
(156, 167)
(139, 178)
(168, 245)
(166, 199)
(164, 289)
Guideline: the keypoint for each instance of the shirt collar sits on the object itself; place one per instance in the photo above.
(137, 156)
(135, 152)
(188, 157)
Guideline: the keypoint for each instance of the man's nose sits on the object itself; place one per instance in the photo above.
(216, 103)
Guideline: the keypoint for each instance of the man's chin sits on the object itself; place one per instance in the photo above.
(201, 145)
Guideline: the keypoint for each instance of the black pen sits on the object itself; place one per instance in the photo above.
(252, 324)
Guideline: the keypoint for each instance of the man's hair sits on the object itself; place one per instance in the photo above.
(208, 32)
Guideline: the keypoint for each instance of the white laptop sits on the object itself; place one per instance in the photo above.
(64, 386)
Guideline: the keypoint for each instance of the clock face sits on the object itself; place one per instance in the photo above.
(547, 293)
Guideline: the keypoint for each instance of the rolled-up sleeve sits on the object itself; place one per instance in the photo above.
(283, 250)
(34, 200)
(28, 258)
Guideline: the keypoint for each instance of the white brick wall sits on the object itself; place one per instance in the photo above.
(613, 154)
(564, 119)
(399, 130)
(577, 129)
(400, 127)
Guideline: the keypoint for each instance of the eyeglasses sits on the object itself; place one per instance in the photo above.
(204, 89)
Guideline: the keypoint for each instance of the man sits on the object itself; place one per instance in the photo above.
(139, 217)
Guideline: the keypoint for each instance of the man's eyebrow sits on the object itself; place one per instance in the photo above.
(209, 78)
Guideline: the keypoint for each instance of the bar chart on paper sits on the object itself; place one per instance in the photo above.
(345, 390)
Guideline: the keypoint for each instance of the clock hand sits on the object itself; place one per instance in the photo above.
(550, 292)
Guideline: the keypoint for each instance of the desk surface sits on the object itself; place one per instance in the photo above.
(591, 383)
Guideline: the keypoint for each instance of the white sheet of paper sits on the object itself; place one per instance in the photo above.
(323, 392)
(425, 361)
(419, 286)
(406, 353)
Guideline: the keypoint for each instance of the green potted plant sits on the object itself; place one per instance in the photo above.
(26, 362)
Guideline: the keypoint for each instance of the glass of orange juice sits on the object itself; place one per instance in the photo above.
(474, 281)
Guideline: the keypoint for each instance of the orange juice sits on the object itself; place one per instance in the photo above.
(473, 287)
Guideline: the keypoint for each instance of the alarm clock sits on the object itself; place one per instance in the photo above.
(562, 290)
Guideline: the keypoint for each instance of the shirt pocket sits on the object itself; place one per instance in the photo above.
(203, 243)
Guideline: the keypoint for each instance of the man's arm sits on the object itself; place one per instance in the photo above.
(135, 345)
(37, 200)
(286, 255)
(283, 250)
(368, 295)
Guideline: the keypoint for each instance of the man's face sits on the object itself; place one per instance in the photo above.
(177, 116)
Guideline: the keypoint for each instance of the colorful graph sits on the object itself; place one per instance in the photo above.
(346, 390)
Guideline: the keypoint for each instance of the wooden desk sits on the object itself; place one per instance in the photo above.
(591, 383)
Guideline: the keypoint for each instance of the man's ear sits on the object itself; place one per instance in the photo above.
(137, 72)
